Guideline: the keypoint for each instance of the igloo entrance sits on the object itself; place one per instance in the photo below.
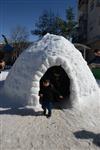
(60, 80)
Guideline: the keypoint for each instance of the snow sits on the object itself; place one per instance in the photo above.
(66, 130)
(69, 129)
(22, 84)
(4, 75)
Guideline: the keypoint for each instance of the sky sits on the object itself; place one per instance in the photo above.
(25, 13)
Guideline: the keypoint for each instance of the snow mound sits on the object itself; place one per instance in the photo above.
(22, 83)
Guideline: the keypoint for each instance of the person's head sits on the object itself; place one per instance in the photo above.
(46, 83)
(97, 52)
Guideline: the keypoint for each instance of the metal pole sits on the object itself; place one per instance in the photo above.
(84, 53)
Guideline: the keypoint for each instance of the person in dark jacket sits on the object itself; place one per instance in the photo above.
(46, 97)
(96, 59)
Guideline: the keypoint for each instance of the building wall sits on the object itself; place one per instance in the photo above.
(92, 26)
(83, 9)
(93, 21)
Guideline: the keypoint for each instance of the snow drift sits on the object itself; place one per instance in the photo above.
(22, 83)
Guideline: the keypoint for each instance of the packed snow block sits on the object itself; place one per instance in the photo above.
(23, 81)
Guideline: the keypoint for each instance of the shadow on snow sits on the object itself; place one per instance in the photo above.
(88, 135)
(21, 112)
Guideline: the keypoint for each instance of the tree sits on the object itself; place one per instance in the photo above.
(60, 26)
(19, 38)
(19, 34)
(70, 23)
(49, 23)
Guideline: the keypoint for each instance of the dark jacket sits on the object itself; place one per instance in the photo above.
(48, 93)
(96, 60)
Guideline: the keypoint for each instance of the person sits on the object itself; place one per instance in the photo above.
(2, 65)
(95, 65)
(96, 59)
(46, 97)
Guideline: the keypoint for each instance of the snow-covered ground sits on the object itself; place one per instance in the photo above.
(3, 76)
(24, 129)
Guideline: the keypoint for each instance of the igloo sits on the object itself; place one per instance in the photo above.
(50, 53)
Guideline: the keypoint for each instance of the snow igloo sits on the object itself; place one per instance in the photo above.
(56, 58)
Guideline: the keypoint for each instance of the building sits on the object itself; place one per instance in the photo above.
(89, 22)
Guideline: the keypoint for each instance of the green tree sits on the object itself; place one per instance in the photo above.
(60, 26)
(71, 24)
(49, 23)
